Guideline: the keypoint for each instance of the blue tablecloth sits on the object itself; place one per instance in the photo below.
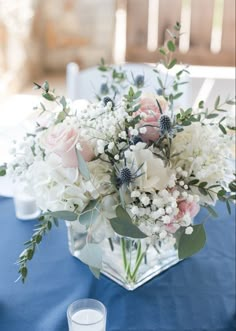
(197, 294)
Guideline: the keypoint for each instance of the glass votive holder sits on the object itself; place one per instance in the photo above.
(25, 205)
(87, 315)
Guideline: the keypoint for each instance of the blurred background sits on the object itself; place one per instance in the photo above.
(39, 37)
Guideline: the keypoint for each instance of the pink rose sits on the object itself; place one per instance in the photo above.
(192, 208)
(172, 227)
(151, 112)
(62, 139)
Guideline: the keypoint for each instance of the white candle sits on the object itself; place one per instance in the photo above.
(87, 315)
(88, 320)
(25, 207)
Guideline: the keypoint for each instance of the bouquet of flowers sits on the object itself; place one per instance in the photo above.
(128, 165)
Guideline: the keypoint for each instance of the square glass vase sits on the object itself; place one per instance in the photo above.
(128, 262)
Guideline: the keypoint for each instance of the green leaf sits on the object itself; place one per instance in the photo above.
(83, 168)
(171, 46)
(124, 226)
(203, 184)
(217, 102)
(63, 102)
(162, 51)
(37, 86)
(63, 214)
(228, 207)
(212, 116)
(211, 211)
(222, 129)
(90, 213)
(30, 254)
(46, 86)
(232, 197)
(137, 94)
(232, 186)
(38, 238)
(221, 193)
(49, 96)
(91, 254)
(190, 244)
(160, 83)
(193, 182)
(201, 104)
(172, 64)
(230, 102)
(2, 170)
(202, 191)
(178, 95)
(24, 272)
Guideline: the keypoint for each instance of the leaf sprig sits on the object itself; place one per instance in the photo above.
(46, 221)
(40, 231)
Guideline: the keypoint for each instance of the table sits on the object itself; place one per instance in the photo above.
(197, 294)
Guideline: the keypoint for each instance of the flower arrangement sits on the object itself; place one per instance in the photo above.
(129, 164)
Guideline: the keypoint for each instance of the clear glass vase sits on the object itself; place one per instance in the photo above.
(128, 262)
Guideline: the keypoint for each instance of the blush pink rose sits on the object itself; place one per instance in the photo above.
(62, 139)
(151, 112)
(172, 227)
(192, 208)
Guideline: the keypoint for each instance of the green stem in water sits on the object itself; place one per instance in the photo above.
(139, 260)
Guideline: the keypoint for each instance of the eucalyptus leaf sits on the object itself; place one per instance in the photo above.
(124, 226)
(91, 254)
(49, 96)
(228, 207)
(211, 211)
(63, 214)
(190, 244)
(171, 46)
(222, 129)
(172, 64)
(90, 214)
(211, 116)
(193, 182)
(217, 102)
(63, 102)
(2, 170)
(83, 168)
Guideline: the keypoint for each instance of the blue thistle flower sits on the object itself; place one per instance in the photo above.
(108, 99)
(159, 91)
(125, 176)
(104, 89)
(165, 124)
(139, 81)
(135, 139)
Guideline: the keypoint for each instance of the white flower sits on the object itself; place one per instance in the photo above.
(143, 130)
(111, 145)
(163, 234)
(135, 194)
(135, 210)
(156, 175)
(189, 230)
(201, 148)
(145, 200)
